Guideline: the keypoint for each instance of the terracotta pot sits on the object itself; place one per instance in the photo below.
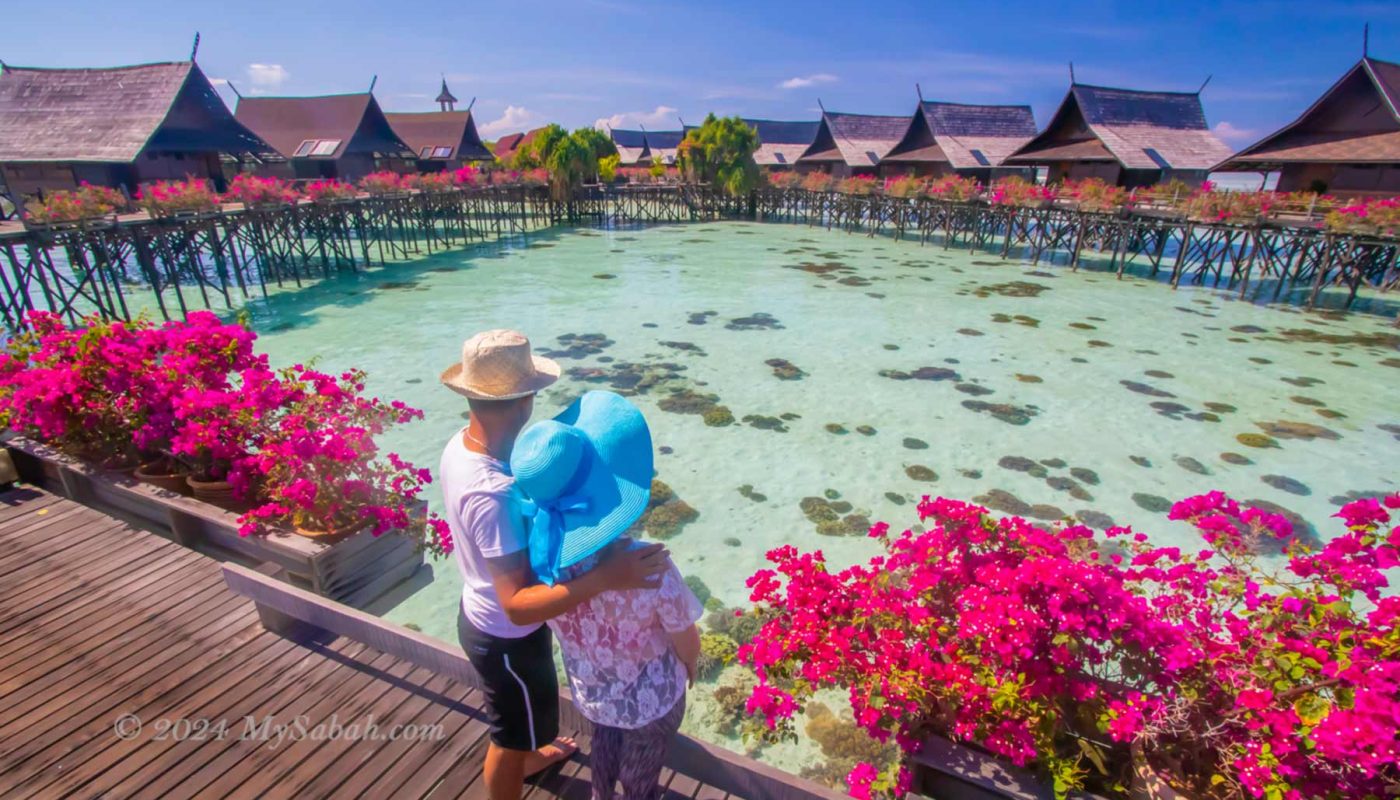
(158, 474)
(216, 493)
(333, 534)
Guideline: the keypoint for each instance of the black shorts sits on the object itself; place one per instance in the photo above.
(521, 688)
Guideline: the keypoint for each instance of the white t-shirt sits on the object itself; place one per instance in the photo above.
(484, 513)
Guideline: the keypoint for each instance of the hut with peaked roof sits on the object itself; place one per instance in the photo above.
(1346, 143)
(631, 147)
(781, 143)
(662, 145)
(848, 144)
(969, 140)
(343, 136)
(509, 145)
(1126, 137)
(118, 127)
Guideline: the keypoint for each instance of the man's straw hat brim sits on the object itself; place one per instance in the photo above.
(545, 373)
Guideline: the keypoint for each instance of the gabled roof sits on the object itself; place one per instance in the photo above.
(507, 146)
(1323, 134)
(1139, 129)
(113, 114)
(966, 136)
(662, 145)
(781, 143)
(438, 129)
(860, 140)
(623, 138)
(353, 120)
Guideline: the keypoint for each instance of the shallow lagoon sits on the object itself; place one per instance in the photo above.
(861, 373)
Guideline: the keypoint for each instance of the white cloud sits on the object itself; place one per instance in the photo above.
(266, 77)
(806, 81)
(1230, 133)
(515, 119)
(219, 81)
(661, 116)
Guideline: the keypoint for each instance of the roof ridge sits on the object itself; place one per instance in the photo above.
(1196, 93)
(974, 105)
(306, 96)
(14, 67)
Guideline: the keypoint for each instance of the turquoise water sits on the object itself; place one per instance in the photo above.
(1105, 398)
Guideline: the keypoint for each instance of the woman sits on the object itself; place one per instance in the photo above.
(629, 654)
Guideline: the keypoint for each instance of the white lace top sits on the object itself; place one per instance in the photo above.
(617, 650)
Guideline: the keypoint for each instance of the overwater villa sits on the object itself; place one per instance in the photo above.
(343, 136)
(631, 146)
(781, 143)
(662, 145)
(1345, 143)
(442, 139)
(117, 127)
(507, 146)
(970, 140)
(849, 144)
(1126, 137)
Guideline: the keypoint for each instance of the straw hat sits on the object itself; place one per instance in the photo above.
(498, 365)
(587, 473)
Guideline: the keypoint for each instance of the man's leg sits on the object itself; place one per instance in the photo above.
(505, 772)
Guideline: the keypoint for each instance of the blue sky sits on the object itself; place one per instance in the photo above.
(636, 62)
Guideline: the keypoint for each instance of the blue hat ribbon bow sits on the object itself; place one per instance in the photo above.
(547, 533)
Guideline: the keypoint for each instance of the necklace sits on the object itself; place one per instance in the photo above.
(485, 448)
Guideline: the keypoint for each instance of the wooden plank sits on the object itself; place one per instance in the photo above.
(65, 603)
(50, 646)
(157, 700)
(191, 766)
(370, 765)
(342, 620)
(94, 679)
(266, 769)
(91, 541)
(115, 757)
(424, 766)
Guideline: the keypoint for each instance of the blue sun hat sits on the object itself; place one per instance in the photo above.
(587, 474)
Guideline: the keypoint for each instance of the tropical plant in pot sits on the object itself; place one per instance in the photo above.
(323, 475)
(1069, 654)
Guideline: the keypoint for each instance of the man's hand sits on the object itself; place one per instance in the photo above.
(636, 568)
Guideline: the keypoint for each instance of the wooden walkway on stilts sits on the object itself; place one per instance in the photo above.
(101, 622)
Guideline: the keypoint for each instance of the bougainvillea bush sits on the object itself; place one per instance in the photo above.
(1367, 216)
(1227, 672)
(87, 202)
(299, 446)
(167, 198)
(261, 192)
(327, 190)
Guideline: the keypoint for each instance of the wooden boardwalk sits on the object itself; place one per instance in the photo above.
(99, 619)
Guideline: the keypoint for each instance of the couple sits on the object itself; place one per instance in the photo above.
(537, 520)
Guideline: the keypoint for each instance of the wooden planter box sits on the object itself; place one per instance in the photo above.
(946, 769)
(355, 570)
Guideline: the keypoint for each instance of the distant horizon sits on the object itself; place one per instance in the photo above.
(626, 65)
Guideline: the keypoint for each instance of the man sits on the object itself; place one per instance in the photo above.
(499, 621)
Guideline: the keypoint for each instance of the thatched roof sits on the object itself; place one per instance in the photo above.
(344, 123)
(860, 140)
(1138, 129)
(1356, 121)
(440, 135)
(114, 114)
(966, 136)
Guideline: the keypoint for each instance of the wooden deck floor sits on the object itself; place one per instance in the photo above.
(100, 620)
